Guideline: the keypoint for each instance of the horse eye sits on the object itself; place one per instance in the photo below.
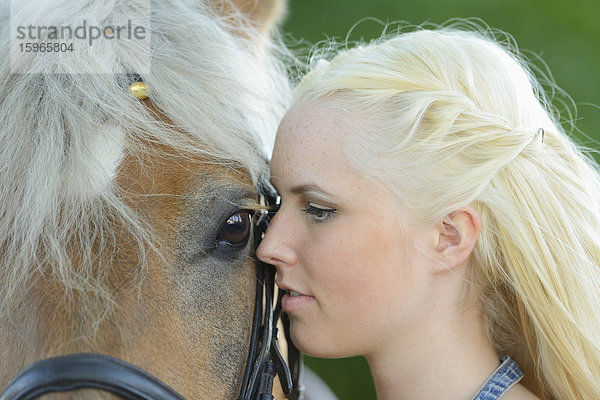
(236, 230)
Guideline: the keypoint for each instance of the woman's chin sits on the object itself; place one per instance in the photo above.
(315, 344)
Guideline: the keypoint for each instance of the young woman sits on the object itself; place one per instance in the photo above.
(436, 219)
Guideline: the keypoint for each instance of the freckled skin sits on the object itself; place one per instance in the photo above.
(358, 266)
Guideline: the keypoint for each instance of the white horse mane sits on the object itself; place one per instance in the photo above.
(63, 135)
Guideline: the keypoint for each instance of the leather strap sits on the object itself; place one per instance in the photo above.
(94, 371)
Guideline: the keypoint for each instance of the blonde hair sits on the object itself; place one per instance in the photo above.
(456, 118)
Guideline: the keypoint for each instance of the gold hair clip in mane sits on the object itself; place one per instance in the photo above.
(138, 89)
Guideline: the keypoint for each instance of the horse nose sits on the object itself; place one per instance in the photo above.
(276, 247)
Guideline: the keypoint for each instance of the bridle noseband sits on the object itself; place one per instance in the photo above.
(97, 371)
(264, 359)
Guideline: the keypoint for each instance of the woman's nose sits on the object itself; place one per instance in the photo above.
(276, 246)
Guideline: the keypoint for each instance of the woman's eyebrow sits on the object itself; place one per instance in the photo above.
(312, 189)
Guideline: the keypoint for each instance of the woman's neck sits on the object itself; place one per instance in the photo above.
(450, 358)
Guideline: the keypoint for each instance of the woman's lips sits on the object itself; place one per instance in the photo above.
(293, 301)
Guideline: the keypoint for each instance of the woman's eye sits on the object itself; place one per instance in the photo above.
(320, 214)
(236, 230)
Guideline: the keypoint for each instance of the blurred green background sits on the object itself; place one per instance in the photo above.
(565, 33)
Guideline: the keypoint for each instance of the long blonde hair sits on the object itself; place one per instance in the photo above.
(457, 118)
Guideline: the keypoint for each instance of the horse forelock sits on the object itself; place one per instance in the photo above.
(64, 135)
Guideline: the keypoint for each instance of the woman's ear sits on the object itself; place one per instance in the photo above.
(456, 236)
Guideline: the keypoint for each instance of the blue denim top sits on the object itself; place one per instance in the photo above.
(501, 380)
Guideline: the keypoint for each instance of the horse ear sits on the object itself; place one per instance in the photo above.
(264, 15)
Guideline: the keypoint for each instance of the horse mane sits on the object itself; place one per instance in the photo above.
(63, 134)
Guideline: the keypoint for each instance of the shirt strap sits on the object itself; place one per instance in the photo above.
(501, 380)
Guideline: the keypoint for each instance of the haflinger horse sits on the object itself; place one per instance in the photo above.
(128, 185)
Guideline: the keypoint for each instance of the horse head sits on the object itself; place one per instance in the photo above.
(125, 218)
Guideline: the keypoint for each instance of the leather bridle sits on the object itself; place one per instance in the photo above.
(264, 359)
(97, 371)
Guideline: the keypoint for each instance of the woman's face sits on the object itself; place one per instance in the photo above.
(339, 243)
